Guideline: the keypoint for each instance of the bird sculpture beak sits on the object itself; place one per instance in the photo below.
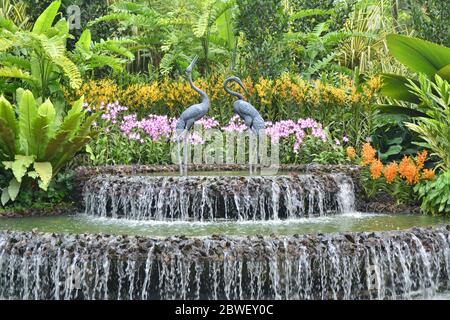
(241, 84)
(191, 66)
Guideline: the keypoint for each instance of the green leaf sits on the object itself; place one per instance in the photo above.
(19, 166)
(41, 129)
(67, 131)
(395, 87)
(27, 114)
(8, 120)
(444, 73)
(393, 150)
(7, 139)
(85, 40)
(45, 20)
(33, 174)
(419, 55)
(45, 172)
(13, 189)
(5, 196)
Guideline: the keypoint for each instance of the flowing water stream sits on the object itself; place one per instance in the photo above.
(387, 265)
(208, 198)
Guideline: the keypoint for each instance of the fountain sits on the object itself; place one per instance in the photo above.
(287, 250)
(387, 265)
(157, 193)
(208, 198)
(293, 235)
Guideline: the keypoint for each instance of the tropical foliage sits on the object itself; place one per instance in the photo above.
(34, 145)
(435, 194)
(39, 59)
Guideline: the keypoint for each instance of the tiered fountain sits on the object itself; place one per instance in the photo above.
(239, 264)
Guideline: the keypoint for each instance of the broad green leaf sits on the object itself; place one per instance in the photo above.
(45, 20)
(66, 131)
(20, 165)
(85, 40)
(62, 28)
(225, 28)
(7, 139)
(13, 189)
(5, 196)
(77, 107)
(45, 172)
(47, 110)
(7, 115)
(57, 143)
(41, 130)
(75, 145)
(19, 93)
(444, 73)
(27, 114)
(33, 174)
(419, 55)
(395, 87)
(393, 150)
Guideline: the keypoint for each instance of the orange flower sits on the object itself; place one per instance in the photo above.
(408, 170)
(351, 153)
(368, 153)
(428, 174)
(421, 158)
(376, 168)
(390, 172)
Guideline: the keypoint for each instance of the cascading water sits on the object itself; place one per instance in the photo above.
(207, 198)
(387, 265)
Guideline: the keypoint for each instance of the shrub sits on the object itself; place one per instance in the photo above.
(435, 194)
(36, 144)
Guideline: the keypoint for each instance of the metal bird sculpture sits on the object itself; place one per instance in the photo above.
(187, 119)
(252, 118)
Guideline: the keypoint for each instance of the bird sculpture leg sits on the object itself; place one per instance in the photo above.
(248, 122)
(185, 152)
(258, 159)
(179, 140)
(261, 137)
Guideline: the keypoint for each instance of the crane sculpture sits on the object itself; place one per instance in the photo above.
(252, 118)
(187, 119)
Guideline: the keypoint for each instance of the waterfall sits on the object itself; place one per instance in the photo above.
(208, 198)
(385, 265)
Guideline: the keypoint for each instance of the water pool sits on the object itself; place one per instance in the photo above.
(356, 221)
